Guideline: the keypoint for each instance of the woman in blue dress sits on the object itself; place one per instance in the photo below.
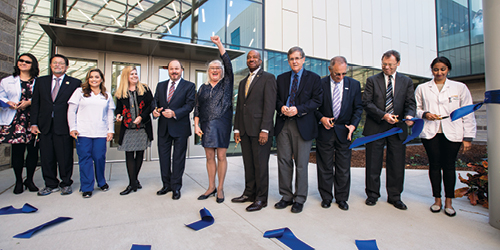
(213, 118)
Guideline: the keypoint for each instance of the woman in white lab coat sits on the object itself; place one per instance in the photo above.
(441, 137)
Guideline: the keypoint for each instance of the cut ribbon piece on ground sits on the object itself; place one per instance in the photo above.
(492, 96)
(29, 233)
(366, 244)
(27, 208)
(370, 138)
(206, 220)
(140, 247)
(286, 236)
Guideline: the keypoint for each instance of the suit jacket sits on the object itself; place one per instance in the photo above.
(255, 111)
(308, 98)
(42, 106)
(350, 109)
(182, 103)
(145, 108)
(374, 103)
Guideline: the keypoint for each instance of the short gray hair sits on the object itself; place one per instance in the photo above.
(216, 61)
(295, 49)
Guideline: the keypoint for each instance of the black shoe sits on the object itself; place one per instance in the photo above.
(87, 194)
(19, 188)
(241, 199)
(128, 190)
(162, 191)
(326, 203)
(297, 207)
(204, 197)
(31, 186)
(220, 200)
(176, 194)
(370, 201)
(343, 205)
(398, 204)
(282, 204)
(139, 186)
(105, 187)
(256, 206)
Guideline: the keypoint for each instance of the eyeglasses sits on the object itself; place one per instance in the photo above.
(214, 68)
(340, 74)
(24, 61)
(294, 59)
(391, 65)
(59, 63)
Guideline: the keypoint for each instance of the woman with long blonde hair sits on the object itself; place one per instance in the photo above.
(133, 109)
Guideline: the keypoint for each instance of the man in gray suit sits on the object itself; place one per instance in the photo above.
(388, 98)
(253, 127)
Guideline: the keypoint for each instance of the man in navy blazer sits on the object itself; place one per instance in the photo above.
(174, 100)
(338, 117)
(299, 94)
(49, 119)
(382, 114)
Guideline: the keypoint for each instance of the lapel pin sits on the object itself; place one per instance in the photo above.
(67, 83)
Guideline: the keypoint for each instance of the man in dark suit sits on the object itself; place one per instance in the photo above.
(299, 95)
(49, 119)
(253, 126)
(339, 115)
(388, 98)
(174, 99)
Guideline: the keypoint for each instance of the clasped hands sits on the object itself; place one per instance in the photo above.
(392, 119)
(289, 111)
(167, 113)
(21, 105)
(137, 120)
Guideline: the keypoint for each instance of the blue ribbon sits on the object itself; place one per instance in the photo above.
(370, 138)
(492, 96)
(416, 129)
(4, 104)
(366, 244)
(206, 220)
(286, 237)
(140, 247)
(27, 208)
(29, 233)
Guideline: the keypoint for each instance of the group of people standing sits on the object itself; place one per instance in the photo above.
(50, 112)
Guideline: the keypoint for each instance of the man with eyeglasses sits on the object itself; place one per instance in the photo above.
(338, 117)
(49, 119)
(299, 94)
(388, 99)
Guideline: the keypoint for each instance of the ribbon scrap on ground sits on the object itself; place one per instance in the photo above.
(27, 208)
(416, 129)
(492, 96)
(286, 236)
(140, 247)
(366, 244)
(29, 233)
(206, 220)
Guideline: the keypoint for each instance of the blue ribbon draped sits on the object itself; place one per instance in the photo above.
(27, 208)
(492, 96)
(29, 233)
(366, 244)
(140, 247)
(206, 220)
(416, 129)
(4, 104)
(286, 237)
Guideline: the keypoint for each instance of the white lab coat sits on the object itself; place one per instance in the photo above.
(453, 96)
(10, 90)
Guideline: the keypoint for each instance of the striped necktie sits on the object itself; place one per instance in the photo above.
(389, 106)
(171, 91)
(336, 100)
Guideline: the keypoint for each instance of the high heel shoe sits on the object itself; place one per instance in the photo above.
(128, 190)
(31, 186)
(220, 200)
(204, 197)
(18, 188)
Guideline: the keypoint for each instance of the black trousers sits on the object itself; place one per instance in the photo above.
(442, 155)
(256, 162)
(56, 152)
(172, 166)
(18, 161)
(333, 171)
(394, 169)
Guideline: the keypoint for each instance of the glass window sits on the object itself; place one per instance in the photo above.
(245, 18)
(460, 61)
(476, 20)
(477, 58)
(211, 21)
(78, 67)
(452, 23)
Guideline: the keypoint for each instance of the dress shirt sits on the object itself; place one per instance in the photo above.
(299, 74)
(91, 116)
(54, 82)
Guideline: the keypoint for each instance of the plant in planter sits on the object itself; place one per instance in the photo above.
(477, 185)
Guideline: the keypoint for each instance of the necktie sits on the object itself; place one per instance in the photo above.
(247, 85)
(336, 100)
(56, 88)
(294, 90)
(389, 107)
(171, 91)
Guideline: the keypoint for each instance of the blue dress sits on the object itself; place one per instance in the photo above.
(214, 108)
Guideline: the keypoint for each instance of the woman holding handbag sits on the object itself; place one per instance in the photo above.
(133, 109)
